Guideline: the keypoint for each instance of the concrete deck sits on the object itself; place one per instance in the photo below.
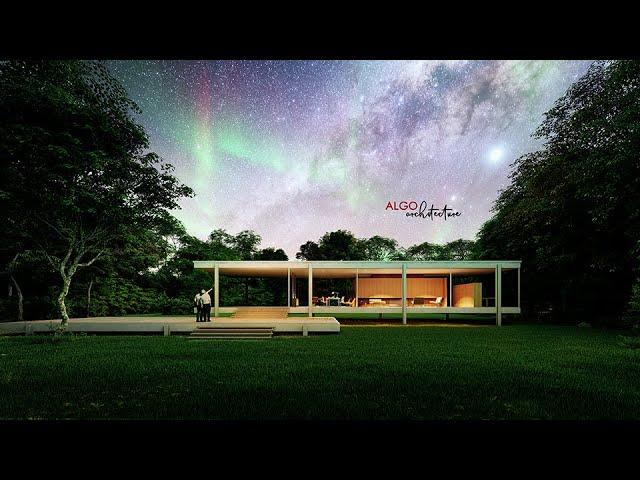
(169, 325)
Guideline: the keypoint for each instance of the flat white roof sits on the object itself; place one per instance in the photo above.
(348, 268)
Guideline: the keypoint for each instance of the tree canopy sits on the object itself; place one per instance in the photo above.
(76, 169)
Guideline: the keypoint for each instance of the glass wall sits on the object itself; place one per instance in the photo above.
(510, 288)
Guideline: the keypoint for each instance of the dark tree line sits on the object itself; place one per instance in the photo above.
(572, 210)
(343, 245)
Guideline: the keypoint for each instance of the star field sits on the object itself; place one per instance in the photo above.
(293, 149)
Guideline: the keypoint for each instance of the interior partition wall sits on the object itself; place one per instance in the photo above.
(475, 289)
(427, 289)
(383, 289)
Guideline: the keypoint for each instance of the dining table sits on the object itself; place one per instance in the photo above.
(333, 301)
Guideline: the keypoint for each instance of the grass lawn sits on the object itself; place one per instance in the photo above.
(514, 372)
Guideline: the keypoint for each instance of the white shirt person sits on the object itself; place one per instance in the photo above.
(205, 298)
(198, 307)
(205, 301)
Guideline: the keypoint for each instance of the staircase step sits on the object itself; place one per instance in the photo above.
(233, 330)
(231, 334)
(206, 332)
(228, 338)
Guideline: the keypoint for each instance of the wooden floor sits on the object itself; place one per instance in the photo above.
(169, 325)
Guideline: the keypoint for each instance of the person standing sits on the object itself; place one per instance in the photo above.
(197, 307)
(205, 301)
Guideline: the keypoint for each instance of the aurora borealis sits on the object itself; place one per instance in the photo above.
(293, 149)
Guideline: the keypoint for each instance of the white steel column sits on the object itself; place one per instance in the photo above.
(357, 301)
(310, 291)
(289, 287)
(450, 302)
(404, 293)
(498, 295)
(519, 287)
(294, 289)
(216, 291)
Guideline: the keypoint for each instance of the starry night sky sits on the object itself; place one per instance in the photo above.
(294, 149)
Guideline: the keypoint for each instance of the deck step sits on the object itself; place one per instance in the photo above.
(233, 330)
(237, 337)
(237, 333)
(229, 335)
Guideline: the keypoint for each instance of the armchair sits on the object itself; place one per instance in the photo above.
(437, 302)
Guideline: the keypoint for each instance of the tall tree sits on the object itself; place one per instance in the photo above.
(341, 245)
(457, 250)
(223, 244)
(178, 277)
(133, 260)
(246, 244)
(14, 285)
(381, 248)
(424, 251)
(271, 254)
(79, 167)
(309, 251)
(572, 210)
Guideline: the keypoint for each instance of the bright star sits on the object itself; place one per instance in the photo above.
(495, 154)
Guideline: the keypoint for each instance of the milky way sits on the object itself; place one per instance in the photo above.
(293, 149)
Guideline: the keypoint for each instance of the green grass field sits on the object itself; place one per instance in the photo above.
(514, 372)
